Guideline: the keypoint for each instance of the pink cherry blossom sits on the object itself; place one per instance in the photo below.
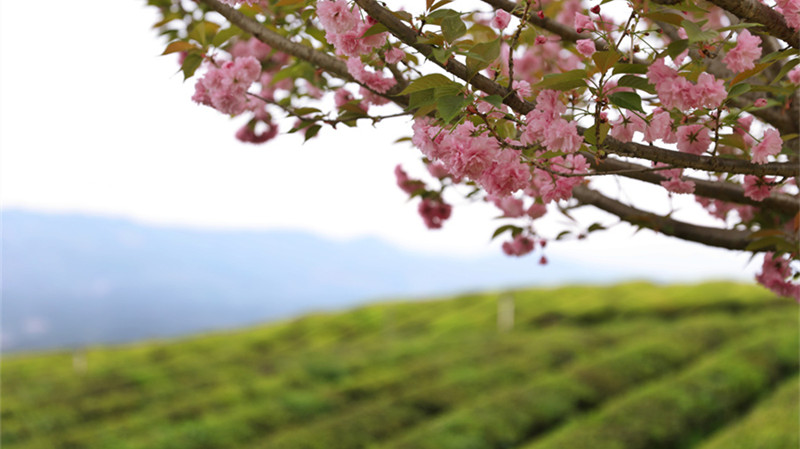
(519, 246)
(760, 103)
(395, 55)
(791, 12)
(775, 274)
(511, 207)
(406, 184)
(586, 47)
(562, 135)
(248, 133)
(794, 75)
(225, 87)
(677, 185)
(757, 188)
(770, 145)
(374, 80)
(624, 126)
(336, 17)
(583, 23)
(660, 127)
(743, 56)
(537, 210)
(709, 92)
(437, 170)
(501, 19)
(434, 212)
(693, 139)
(523, 88)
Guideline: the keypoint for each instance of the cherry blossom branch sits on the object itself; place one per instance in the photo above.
(330, 64)
(722, 238)
(565, 32)
(705, 163)
(611, 145)
(784, 204)
(755, 12)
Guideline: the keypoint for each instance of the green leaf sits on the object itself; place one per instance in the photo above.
(225, 35)
(564, 81)
(697, 34)
(311, 132)
(177, 46)
(427, 82)
(494, 100)
(675, 48)
(441, 14)
(749, 73)
(191, 63)
(485, 54)
(623, 67)
(450, 106)
(738, 89)
(627, 100)
(378, 28)
(781, 54)
(505, 228)
(785, 69)
(306, 111)
(596, 227)
(439, 4)
(453, 28)
(739, 26)
(421, 98)
(671, 18)
(589, 134)
(604, 60)
(636, 82)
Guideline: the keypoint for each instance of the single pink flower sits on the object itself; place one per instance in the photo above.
(501, 19)
(770, 145)
(519, 246)
(395, 55)
(757, 188)
(693, 139)
(586, 47)
(434, 212)
(583, 23)
(794, 75)
(742, 57)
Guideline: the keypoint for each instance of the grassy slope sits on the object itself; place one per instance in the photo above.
(629, 366)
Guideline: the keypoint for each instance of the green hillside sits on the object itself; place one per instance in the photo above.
(708, 366)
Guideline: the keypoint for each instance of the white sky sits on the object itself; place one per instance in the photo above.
(92, 120)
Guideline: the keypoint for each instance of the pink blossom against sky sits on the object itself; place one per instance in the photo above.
(126, 140)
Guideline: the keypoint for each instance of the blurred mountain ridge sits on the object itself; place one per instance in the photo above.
(72, 280)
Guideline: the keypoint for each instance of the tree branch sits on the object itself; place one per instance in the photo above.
(755, 12)
(721, 238)
(330, 64)
(706, 163)
(784, 204)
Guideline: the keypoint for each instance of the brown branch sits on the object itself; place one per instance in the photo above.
(721, 238)
(567, 33)
(781, 203)
(755, 12)
(706, 163)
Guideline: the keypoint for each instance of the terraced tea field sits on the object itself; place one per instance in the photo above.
(709, 366)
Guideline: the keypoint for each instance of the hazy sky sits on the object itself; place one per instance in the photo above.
(93, 120)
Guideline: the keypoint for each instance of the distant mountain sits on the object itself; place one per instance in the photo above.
(72, 280)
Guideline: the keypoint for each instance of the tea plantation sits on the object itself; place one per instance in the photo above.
(707, 366)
